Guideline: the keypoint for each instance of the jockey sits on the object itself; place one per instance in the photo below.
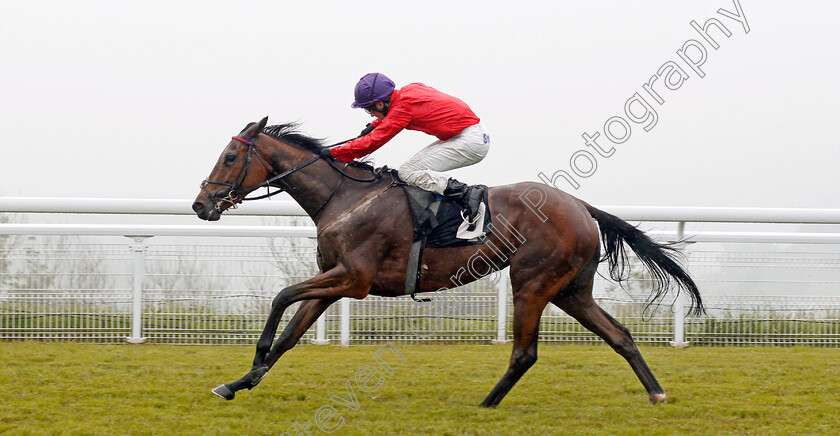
(462, 141)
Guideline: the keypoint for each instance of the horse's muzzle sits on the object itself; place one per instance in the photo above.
(205, 211)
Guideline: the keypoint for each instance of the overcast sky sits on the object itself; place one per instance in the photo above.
(137, 99)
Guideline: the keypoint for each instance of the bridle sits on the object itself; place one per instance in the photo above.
(234, 196)
(237, 195)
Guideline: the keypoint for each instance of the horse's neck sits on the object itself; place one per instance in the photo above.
(314, 189)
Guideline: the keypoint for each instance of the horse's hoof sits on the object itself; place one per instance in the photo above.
(657, 398)
(224, 392)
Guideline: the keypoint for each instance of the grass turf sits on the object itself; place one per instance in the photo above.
(68, 388)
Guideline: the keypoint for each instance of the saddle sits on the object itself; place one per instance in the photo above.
(440, 222)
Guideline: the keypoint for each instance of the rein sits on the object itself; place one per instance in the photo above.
(372, 179)
(234, 198)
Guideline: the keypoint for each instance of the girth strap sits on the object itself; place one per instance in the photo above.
(412, 274)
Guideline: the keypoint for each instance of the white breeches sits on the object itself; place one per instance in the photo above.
(425, 169)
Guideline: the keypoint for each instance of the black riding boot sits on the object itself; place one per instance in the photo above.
(470, 196)
(455, 189)
(474, 197)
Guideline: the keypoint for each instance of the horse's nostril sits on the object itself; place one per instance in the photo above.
(198, 206)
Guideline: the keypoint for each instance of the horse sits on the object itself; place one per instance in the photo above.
(551, 241)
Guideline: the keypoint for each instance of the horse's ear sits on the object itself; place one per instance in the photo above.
(262, 124)
(254, 129)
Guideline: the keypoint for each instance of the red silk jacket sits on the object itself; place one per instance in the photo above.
(413, 107)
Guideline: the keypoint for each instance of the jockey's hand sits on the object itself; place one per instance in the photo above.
(366, 130)
(326, 153)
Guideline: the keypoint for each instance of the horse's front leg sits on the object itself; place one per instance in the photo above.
(306, 315)
(325, 288)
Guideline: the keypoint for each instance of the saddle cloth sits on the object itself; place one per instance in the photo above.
(440, 222)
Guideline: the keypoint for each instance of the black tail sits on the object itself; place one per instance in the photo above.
(659, 259)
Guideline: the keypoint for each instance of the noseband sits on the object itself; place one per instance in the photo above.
(234, 197)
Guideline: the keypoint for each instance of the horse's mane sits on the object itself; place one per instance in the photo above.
(289, 133)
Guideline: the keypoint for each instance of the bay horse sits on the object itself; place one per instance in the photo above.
(549, 239)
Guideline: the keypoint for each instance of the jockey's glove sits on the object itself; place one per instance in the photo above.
(366, 130)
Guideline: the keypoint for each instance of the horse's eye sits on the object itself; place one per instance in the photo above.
(229, 159)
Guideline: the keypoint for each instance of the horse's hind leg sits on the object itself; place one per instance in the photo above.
(535, 278)
(530, 296)
(577, 301)
(526, 320)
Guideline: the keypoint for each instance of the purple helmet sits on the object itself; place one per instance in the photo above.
(372, 88)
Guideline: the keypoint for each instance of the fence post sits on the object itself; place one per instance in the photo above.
(139, 269)
(679, 305)
(321, 330)
(501, 312)
(344, 304)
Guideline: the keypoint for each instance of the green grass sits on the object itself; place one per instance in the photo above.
(68, 388)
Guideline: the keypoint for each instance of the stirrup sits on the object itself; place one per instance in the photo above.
(467, 219)
(470, 230)
(471, 225)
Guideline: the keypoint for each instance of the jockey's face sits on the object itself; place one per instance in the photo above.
(376, 110)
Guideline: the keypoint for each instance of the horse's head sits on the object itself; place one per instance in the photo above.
(239, 170)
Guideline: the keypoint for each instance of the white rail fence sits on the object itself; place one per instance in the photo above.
(212, 284)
